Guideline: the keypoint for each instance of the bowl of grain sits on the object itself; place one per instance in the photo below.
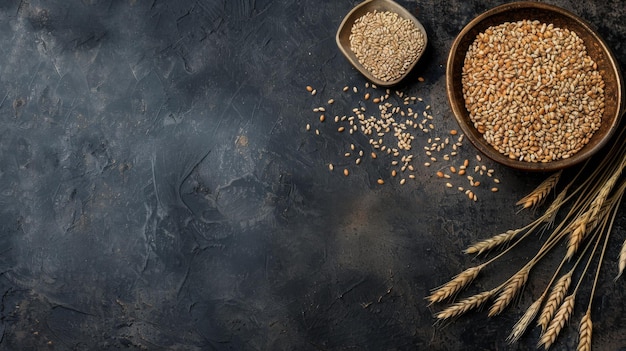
(534, 87)
(382, 40)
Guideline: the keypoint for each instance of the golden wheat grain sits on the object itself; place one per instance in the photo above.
(455, 285)
(537, 196)
(522, 324)
(556, 325)
(621, 261)
(465, 305)
(554, 300)
(509, 291)
(488, 244)
(584, 333)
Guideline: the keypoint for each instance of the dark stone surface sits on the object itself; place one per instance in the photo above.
(159, 190)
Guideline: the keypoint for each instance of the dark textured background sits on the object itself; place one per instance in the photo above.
(158, 190)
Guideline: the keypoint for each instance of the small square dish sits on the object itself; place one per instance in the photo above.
(387, 38)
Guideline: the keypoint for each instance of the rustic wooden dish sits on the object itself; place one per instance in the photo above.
(343, 35)
(596, 48)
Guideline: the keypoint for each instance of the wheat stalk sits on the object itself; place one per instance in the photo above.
(584, 333)
(538, 195)
(488, 244)
(465, 305)
(455, 285)
(556, 325)
(621, 261)
(522, 324)
(554, 300)
(510, 290)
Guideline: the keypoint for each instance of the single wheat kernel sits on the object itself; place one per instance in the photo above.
(308, 127)
(412, 176)
(461, 172)
(376, 100)
(466, 163)
(440, 174)
(453, 132)
(317, 132)
(330, 166)
(358, 161)
(447, 176)
(393, 173)
(460, 188)
(496, 180)
(448, 185)
(494, 189)
(367, 96)
(427, 164)
(452, 169)
(346, 172)
(402, 181)
(309, 88)
(346, 88)
(380, 181)
(322, 118)
(341, 129)
(478, 158)
(331, 101)
(347, 154)
(374, 155)
(355, 90)
(476, 183)
(314, 92)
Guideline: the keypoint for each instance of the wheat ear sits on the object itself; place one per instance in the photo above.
(584, 333)
(510, 290)
(550, 214)
(556, 325)
(465, 305)
(455, 285)
(537, 196)
(590, 218)
(522, 324)
(554, 300)
(488, 244)
(621, 261)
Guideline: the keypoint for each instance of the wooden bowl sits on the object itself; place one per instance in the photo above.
(343, 35)
(596, 49)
